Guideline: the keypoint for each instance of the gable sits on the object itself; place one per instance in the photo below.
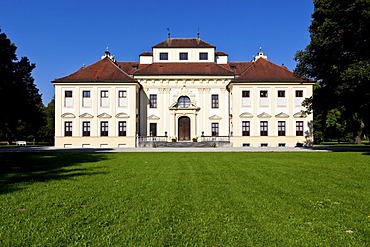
(68, 115)
(300, 114)
(282, 115)
(122, 115)
(104, 115)
(153, 117)
(215, 117)
(264, 115)
(246, 115)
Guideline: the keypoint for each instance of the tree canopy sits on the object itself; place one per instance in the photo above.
(338, 58)
(22, 112)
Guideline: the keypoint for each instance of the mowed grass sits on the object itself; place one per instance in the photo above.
(185, 199)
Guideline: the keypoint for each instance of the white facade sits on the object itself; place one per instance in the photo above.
(182, 91)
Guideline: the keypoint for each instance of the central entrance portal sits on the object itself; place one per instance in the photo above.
(184, 129)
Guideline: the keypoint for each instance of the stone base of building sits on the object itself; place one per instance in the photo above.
(95, 142)
(271, 141)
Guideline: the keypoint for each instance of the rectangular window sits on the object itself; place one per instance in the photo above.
(68, 94)
(122, 128)
(214, 99)
(153, 129)
(103, 128)
(281, 98)
(298, 97)
(86, 94)
(104, 100)
(183, 56)
(122, 98)
(299, 128)
(86, 101)
(246, 94)
(153, 101)
(263, 98)
(281, 128)
(299, 93)
(104, 94)
(264, 128)
(163, 56)
(86, 128)
(214, 129)
(245, 128)
(281, 94)
(263, 94)
(203, 56)
(67, 128)
(246, 101)
(68, 100)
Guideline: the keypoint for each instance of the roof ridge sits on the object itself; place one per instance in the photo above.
(118, 67)
(248, 68)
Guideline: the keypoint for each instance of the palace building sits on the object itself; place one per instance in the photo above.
(182, 92)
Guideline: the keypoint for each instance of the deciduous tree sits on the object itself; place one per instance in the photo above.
(338, 58)
(21, 108)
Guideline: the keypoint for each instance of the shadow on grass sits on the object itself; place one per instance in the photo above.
(18, 169)
(365, 149)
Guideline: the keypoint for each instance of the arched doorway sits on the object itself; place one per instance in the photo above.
(184, 128)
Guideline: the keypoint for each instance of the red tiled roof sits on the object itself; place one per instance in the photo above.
(130, 67)
(183, 43)
(237, 67)
(103, 70)
(184, 69)
(221, 53)
(266, 71)
(146, 53)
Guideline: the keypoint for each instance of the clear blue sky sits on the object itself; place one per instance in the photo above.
(61, 36)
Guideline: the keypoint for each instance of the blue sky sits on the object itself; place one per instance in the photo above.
(61, 36)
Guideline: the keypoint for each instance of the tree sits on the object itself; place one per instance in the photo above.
(338, 58)
(49, 129)
(22, 109)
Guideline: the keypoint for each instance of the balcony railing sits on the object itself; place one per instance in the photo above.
(152, 138)
(215, 138)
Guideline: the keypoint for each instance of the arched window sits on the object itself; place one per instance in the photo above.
(183, 102)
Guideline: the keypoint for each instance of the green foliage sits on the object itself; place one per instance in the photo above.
(184, 199)
(21, 110)
(48, 130)
(338, 58)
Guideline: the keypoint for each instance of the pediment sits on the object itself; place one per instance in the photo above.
(282, 115)
(68, 115)
(86, 115)
(122, 115)
(104, 115)
(246, 115)
(215, 117)
(153, 117)
(264, 115)
(300, 114)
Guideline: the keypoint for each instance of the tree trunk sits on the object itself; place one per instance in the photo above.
(358, 139)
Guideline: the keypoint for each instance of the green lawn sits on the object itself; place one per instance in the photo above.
(185, 199)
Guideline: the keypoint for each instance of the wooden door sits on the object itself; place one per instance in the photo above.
(184, 129)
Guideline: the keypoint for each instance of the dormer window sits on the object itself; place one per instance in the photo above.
(183, 56)
(233, 67)
(203, 56)
(163, 56)
(135, 67)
